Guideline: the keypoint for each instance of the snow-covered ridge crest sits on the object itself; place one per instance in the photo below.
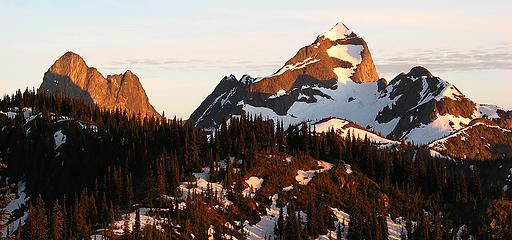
(339, 31)
(436, 144)
(348, 129)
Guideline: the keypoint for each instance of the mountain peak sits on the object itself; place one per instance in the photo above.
(336, 63)
(128, 73)
(70, 76)
(69, 64)
(419, 71)
(71, 58)
(70, 54)
(339, 31)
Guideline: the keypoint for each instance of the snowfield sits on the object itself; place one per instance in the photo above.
(129, 220)
(489, 111)
(265, 227)
(443, 126)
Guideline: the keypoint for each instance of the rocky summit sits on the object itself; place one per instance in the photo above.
(337, 59)
(70, 76)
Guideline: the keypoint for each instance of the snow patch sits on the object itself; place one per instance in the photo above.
(279, 93)
(489, 111)
(59, 138)
(202, 184)
(295, 66)
(254, 185)
(18, 203)
(287, 189)
(304, 177)
(339, 31)
(350, 53)
(128, 221)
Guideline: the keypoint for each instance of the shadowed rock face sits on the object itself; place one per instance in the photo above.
(70, 76)
(418, 101)
(221, 102)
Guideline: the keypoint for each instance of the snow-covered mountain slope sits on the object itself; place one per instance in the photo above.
(336, 60)
(346, 129)
(336, 77)
(424, 107)
(482, 139)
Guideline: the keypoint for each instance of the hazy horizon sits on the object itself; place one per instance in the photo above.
(181, 50)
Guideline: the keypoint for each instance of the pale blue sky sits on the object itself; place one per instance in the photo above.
(181, 49)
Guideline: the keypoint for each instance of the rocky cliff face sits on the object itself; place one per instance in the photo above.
(70, 76)
(337, 55)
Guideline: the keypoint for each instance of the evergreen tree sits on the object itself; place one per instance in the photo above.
(150, 193)
(339, 232)
(37, 222)
(280, 223)
(4, 201)
(137, 225)
(57, 230)
(438, 233)
(160, 179)
(292, 227)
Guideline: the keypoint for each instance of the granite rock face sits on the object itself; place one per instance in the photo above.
(70, 76)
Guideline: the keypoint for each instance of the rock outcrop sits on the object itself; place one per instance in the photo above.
(70, 76)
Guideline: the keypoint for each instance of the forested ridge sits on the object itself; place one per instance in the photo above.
(111, 166)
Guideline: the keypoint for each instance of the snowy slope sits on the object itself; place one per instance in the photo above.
(345, 129)
(480, 140)
(19, 203)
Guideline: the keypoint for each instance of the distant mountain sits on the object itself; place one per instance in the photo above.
(70, 76)
(335, 60)
(335, 77)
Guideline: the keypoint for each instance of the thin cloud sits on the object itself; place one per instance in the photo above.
(196, 64)
(496, 58)
(438, 60)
